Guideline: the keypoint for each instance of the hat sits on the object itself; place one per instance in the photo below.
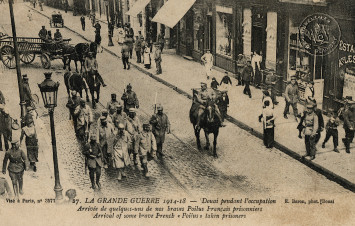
(24, 77)
(266, 93)
(29, 108)
(120, 126)
(73, 92)
(310, 106)
(103, 118)
(293, 77)
(129, 85)
(119, 105)
(104, 111)
(213, 78)
(131, 110)
(113, 95)
(145, 125)
(159, 107)
(203, 83)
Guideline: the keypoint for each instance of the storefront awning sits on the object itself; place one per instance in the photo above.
(137, 7)
(172, 12)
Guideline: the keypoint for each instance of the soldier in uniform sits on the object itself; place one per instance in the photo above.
(5, 127)
(147, 145)
(72, 104)
(291, 97)
(58, 36)
(120, 116)
(349, 125)
(27, 94)
(84, 119)
(18, 164)
(43, 33)
(91, 66)
(134, 128)
(202, 98)
(310, 124)
(120, 155)
(157, 58)
(130, 99)
(112, 101)
(319, 113)
(104, 136)
(108, 117)
(247, 75)
(160, 125)
(93, 153)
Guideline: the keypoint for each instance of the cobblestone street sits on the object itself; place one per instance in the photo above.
(244, 165)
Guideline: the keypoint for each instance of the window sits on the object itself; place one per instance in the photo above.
(224, 38)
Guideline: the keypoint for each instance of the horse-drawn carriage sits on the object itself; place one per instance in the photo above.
(28, 48)
(56, 20)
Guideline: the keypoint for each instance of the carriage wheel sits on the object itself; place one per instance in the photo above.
(46, 61)
(27, 58)
(8, 56)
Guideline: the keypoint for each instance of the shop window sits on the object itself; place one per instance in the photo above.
(224, 38)
(182, 31)
(198, 31)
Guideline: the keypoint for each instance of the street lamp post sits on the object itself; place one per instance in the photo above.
(110, 27)
(17, 59)
(49, 91)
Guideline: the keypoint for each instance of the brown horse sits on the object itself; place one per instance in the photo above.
(209, 122)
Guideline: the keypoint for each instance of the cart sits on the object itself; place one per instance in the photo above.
(56, 20)
(28, 48)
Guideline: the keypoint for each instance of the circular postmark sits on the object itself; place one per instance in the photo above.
(319, 34)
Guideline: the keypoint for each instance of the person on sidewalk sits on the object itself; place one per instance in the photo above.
(97, 27)
(125, 55)
(147, 145)
(332, 130)
(157, 58)
(270, 81)
(18, 164)
(214, 84)
(66, 6)
(160, 125)
(120, 157)
(92, 16)
(31, 140)
(268, 124)
(255, 63)
(82, 21)
(138, 49)
(247, 75)
(146, 58)
(319, 113)
(349, 126)
(207, 60)
(291, 97)
(93, 155)
(130, 99)
(161, 40)
(98, 41)
(84, 120)
(40, 3)
(309, 92)
(130, 43)
(134, 128)
(310, 125)
(226, 82)
(223, 103)
(5, 127)
(5, 191)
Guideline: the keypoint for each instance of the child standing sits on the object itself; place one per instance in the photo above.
(332, 130)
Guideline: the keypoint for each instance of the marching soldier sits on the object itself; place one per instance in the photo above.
(120, 116)
(160, 125)
(147, 145)
(134, 128)
(18, 164)
(120, 155)
(349, 126)
(113, 101)
(104, 136)
(93, 153)
(84, 119)
(291, 97)
(130, 99)
(310, 125)
(72, 104)
(108, 117)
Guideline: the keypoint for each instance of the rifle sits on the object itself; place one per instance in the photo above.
(155, 103)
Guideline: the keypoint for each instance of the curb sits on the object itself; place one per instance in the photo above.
(318, 168)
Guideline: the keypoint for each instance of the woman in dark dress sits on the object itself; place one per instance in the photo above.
(29, 131)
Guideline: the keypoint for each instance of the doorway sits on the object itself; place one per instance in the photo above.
(258, 33)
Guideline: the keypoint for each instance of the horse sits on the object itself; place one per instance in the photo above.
(209, 122)
(75, 81)
(69, 53)
(82, 50)
(94, 86)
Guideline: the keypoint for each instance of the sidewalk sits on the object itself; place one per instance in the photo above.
(183, 75)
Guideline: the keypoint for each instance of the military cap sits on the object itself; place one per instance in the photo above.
(103, 118)
(203, 84)
(131, 110)
(129, 85)
(146, 125)
(293, 77)
(113, 95)
(310, 106)
(156, 43)
(104, 111)
(266, 93)
(213, 78)
(24, 77)
(120, 126)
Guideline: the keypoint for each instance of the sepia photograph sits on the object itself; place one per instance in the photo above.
(177, 112)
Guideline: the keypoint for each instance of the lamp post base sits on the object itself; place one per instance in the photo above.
(58, 192)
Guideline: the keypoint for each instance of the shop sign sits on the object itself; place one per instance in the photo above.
(348, 57)
(319, 34)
